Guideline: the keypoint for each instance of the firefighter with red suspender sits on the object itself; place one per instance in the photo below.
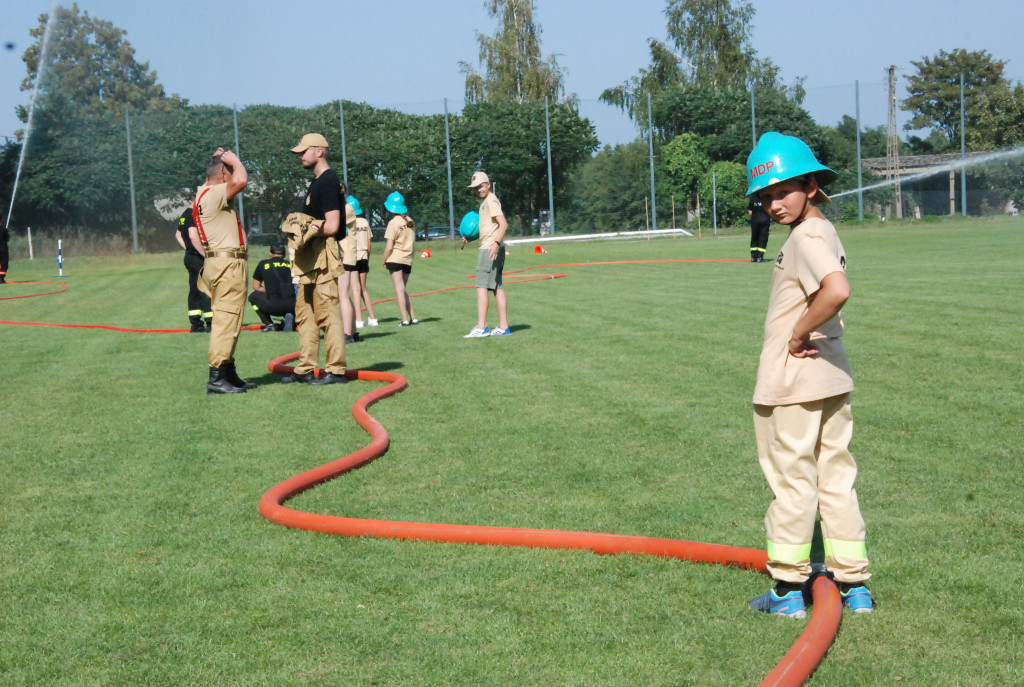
(226, 268)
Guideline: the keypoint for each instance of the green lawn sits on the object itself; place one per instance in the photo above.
(132, 552)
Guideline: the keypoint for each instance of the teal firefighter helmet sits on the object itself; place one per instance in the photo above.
(396, 203)
(354, 202)
(469, 228)
(777, 157)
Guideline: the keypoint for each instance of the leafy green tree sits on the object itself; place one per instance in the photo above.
(76, 161)
(723, 187)
(513, 70)
(710, 50)
(934, 92)
(714, 38)
(998, 122)
(683, 163)
(91, 63)
(609, 190)
(721, 118)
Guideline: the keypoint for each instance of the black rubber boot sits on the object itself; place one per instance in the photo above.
(219, 383)
(231, 375)
(753, 256)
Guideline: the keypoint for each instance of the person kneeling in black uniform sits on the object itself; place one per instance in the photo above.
(272, 291)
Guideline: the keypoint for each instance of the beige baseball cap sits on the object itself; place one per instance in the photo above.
(478, 178)
(311, 141)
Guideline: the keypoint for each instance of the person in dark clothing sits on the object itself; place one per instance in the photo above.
(199, 312)
(5, 254)
(272, 291)
(760, 222)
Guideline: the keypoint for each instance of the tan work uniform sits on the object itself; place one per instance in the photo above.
(361, 238)
(317, 265)
(404, 235)
(225, 270)
(803, 422)
(348, 244)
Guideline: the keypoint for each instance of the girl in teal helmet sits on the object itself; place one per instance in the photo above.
(401, 241)
(802, 414)
(361, 237)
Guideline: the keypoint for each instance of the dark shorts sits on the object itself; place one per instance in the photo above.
(398, 267)
(349, 268)
(362, 266)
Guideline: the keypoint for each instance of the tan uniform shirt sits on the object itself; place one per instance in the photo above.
(348, 245)
(361, 231)
(404, 237)
(218, 219)
(490, 211)
(811, 253)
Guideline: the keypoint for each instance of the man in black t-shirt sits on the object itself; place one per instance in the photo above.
(199, 312)
(272, 291)
(316, 303)
(760, 222)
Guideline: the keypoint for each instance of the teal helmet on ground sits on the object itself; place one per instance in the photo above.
(354, 202)
(469, 228)
(396, 203)
(777, 157)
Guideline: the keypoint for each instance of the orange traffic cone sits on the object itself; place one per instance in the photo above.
(539, 249)
(424, 253)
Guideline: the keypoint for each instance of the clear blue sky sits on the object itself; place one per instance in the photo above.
(404, 53)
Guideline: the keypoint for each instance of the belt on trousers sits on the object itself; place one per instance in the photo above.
(242, 253)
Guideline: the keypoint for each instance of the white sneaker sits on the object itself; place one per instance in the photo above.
(501, 332)
(477, 333)
(372, 322)
(359, 324)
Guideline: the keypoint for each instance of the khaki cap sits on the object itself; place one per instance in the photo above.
(311, 141)
(478, 178)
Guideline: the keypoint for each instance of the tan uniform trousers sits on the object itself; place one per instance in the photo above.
(804, 452)
(316, 308)
(227, 280)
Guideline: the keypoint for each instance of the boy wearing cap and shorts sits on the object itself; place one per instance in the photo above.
(802, 417)
(490, 259)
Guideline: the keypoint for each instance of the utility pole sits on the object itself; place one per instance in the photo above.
(892, 145)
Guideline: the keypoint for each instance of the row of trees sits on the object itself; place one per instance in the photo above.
(700, 84)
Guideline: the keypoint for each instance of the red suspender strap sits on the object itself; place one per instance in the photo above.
(195, 217)
(241, 234)
(199, 223)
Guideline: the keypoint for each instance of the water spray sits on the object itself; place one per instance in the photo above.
(32, 106)
(949, 167)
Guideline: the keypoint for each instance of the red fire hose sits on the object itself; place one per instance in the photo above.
(796, 666)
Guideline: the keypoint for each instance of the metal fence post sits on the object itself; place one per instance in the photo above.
(131, 181)
(650, 143)
(448, 157)
(551, 193)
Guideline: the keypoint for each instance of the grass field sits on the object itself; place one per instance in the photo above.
(132, 552)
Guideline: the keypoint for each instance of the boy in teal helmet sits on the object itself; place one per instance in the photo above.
(802, 416)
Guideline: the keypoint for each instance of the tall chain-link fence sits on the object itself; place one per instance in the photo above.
(580, 168)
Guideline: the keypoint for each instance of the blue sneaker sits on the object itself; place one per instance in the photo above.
(790, 606)
(858, 599)
(507, 331)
